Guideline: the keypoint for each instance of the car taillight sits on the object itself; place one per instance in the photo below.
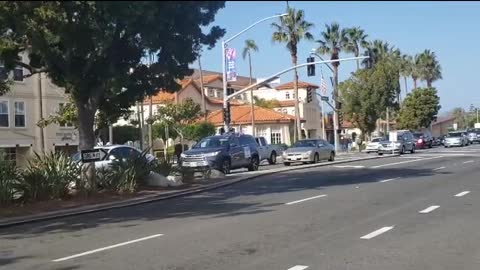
(420, 140)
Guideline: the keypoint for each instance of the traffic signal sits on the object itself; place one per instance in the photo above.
(226, 113)
(230, 91)
(309, 95)
(340, 118)
(311, 68)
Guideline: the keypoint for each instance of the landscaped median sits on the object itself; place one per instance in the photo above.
(99, 203)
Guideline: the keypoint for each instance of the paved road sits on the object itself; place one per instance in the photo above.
(413, 212)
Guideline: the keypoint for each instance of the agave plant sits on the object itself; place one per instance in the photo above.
(9, 177)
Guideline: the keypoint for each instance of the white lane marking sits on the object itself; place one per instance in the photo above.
(439, 168)
(407, 157)
(429, 209)
(470, 161)
(349, 166)
(298, 267)
(388, 180)
(306, 199)
(377, 232)
(402, 162)
(106, 248)
(463, 193)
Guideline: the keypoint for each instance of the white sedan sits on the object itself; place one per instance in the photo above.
(374, 145)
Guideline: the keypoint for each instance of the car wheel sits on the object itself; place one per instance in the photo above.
(403, 150)
(226, 166)
(253, 164)
(413, 150)
(332, 156)
(287, 163)
(315, 158)
(380, 154)
(446, 146)
(273, 159)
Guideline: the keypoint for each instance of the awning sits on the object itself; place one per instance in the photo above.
(4, 143)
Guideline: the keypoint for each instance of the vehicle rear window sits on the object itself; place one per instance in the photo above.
(455, 134)
(212, 142)
(376, 139)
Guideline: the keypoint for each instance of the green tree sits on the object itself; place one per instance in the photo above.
(266, 103)
(367, 93)
(94, 49)
(406, 69)
(416, 69)
(461, 117)
(430, 67)
(419, 109)
(250, 47)
(197, 131)
(356, 39)
(291, 29)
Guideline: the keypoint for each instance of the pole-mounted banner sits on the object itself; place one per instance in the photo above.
(231, 55)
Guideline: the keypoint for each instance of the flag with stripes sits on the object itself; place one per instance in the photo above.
(323, 87)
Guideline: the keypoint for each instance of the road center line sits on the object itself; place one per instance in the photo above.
(429, 209)
(388, 180)
(349, 166)
(439, 168)
(402, 162)
(463, 193)
(106, 248)
(377, 233)
(306, 199)
(470, 161)
(298, 267)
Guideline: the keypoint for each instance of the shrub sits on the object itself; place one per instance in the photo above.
(48, 177)
(9, 177)
(163, 167)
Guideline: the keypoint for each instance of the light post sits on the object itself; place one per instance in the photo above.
(224, 71)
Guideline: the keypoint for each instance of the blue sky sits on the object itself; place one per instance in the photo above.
(450, 29)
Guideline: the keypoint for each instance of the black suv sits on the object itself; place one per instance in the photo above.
(222, 152)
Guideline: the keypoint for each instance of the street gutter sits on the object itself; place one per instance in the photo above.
(9, 222)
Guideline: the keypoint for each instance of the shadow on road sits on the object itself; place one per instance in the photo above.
(236, 200)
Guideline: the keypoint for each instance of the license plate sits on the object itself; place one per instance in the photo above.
(190, 164)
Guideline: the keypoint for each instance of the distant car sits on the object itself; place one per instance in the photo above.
(309, 151)
(222, 152)
(116, 152)
(456, 138)
(267, 151)
(422, 140)
(404, 142)
(474, 135)
(374, 145)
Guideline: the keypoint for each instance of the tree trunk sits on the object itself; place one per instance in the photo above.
(429, 83)
(86, 134)
(406, 86)
(336, 97)
(204, 105)
(358, 60)
(252, 107)
(414, 83)
(297, 107)
(150, 131)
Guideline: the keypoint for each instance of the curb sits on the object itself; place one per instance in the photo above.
(9, 222)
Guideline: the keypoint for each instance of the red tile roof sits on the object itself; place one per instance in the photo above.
(241, 115)
(301, 85)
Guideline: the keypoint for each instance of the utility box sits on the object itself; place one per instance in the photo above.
(477, 125)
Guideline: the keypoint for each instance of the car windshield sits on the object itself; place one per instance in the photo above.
(305, 143)
(376, 139)
(212, 142)
(455, 134)
(417, 135)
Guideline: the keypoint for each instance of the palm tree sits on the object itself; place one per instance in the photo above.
(406, 69)
(250, 47)
(430, 68)
(356, 39)
(416, 69)
(376, 50)
(291, 29)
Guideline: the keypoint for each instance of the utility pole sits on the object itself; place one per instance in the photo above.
(40, 100)
(204, 105)
(388, 121)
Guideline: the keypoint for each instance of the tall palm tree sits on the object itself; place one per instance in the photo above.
(291, 29)
(430, 68)
(406, 69)
(376, 50)
(416, 69)
(250, 47)
(356, 39)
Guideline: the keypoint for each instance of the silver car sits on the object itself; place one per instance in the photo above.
(455, 139)
(309, 151)
(115, 152)
(400, 141)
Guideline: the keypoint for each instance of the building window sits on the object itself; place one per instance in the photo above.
(8, 154)
(63, 123)
(284, 111)
(3, 73)
(276, 137)
(19, 114)
(211, 93)
(287, 95)
(293, 95)
(219, 94)
(261, 132)
(4, 114)
(18, 74)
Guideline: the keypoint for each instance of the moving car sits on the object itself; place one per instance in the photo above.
(116, 152)
(374, 145)
(309, 151)
(455, 138)
(403, 142)
(222, 152)
(474, 135)
(268, 151)
(422, 140)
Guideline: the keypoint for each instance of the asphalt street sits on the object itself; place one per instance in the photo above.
(417, 211)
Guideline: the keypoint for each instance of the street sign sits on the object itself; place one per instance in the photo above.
(323, 98)
(93, 155)
(476, 125)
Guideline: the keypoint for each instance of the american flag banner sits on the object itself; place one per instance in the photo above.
(323, 87)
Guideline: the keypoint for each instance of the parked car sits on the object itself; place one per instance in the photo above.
(436, 141)
(404, 142)
(474, 135)
(115, 152)
(267, 151)
(456, 138)
(374, 145)
(422, 140)
(222, 152)
(309, 151)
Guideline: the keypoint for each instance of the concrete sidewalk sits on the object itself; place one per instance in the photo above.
(164, 195)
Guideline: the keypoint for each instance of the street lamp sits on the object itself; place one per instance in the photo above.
(224, 71)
